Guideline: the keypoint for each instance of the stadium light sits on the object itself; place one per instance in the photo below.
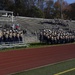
(12, 16)
(61, 2)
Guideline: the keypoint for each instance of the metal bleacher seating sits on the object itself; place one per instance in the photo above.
(11, 38)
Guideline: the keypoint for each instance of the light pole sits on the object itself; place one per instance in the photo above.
(12, 16)
(61, 3)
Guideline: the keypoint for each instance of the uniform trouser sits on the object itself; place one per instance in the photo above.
(58, 41)
(3, 39)
(16, 39)
(11, 40)
(6, 40)
(0, 40)
(20, 39)
(55, 41)
(52, 41)
(61, 41)
(48, 41)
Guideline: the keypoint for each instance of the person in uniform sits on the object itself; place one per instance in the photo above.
(14, 37)
(55, 40)
(41, 37)
(57, 37)
(10, 37)
(6, 38)
(52, 40)
(21, 37)
(17, 37)
(72, 38)
(45, 37)
(66, 39)
(1, 36)
(49, 39)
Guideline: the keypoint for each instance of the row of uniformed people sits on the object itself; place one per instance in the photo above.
(10, 36)
(56, 21)
(56, 37)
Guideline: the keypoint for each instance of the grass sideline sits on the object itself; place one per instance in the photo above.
(32, 45)
(52, 69)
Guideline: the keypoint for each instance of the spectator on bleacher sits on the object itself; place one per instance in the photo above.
(13, 26)
(17, 27)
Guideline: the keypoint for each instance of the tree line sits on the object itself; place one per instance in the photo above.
(40, 8)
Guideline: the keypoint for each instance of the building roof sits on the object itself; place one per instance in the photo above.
(3, 11)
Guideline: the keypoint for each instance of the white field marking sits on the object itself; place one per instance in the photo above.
(43, 66)
(65, 71)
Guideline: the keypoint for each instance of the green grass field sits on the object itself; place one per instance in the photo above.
(62, 68)
(69, 73)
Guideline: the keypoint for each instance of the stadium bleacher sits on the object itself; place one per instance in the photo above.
(32, 26)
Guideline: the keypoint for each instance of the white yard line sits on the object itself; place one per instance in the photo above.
(69, 70)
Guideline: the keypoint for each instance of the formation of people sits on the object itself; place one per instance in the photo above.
(11, 36)
(57, 21)
(56, 36)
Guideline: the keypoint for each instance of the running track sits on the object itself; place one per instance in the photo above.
(15, 61)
